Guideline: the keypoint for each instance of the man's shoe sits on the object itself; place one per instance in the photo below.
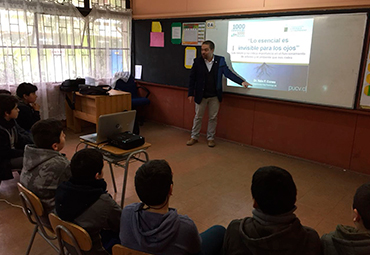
(211, 143)
(191, 142)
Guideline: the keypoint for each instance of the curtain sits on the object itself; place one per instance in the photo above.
(45, 42)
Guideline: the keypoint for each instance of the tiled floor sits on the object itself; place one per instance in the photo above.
(211, 185)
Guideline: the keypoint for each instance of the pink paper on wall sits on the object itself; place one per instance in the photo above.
(156, 39)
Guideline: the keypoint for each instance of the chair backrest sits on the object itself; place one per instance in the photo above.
(33, 209)
(129, 86)
(122, 250)
(30, 200)
(70, 233)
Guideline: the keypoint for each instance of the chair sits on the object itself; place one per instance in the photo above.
(136, 100)
(130, 86)
(33, 209)
(122, 250)
(70, 234)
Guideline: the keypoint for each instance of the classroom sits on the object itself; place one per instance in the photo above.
(315, 126)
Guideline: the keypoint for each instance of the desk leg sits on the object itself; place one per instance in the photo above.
(126, 171)
(113, 179)
(77, 125)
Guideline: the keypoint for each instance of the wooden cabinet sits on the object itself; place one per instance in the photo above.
(89, 107)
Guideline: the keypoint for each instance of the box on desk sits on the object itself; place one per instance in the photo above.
(126, 140)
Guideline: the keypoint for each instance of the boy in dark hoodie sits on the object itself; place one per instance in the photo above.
(13, 138)
(44, 166)
(352, 240)
(84, 201)
(29, 110)
(153, 227)
(274, 229)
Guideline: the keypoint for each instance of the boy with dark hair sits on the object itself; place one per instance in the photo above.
(13, 138)
(352, 240)
(153, 227)
(84, 200)
(4, 91)
(44, 166)
(29, 110)
(274, 228)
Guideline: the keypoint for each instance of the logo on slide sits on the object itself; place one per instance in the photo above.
(238, 30)
(297, 88)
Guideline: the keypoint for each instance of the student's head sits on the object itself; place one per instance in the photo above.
(273, 190)
(4, 91)
(8, 107)
(48, 134)
(87, 164)
(207, 50)
(153, 182)
(361, 206)
(27, 92)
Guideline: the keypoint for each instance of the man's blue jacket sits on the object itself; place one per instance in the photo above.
(199, 73)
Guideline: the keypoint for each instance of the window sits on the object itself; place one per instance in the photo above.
(45, 42)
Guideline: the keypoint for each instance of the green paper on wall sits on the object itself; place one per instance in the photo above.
(176, 33)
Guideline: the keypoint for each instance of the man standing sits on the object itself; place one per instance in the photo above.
(205, 88)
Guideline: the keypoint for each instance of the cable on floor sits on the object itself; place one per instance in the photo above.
(14, 205)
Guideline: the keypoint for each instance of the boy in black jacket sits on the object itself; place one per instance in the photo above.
(84, 201)
(29, 110)
(13, 138)
(273, 229)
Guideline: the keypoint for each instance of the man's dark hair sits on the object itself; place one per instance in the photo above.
(153, 181)
(46, 132)
(274, 190)
(4, 91)
(210, 44)
(361, 202)
(86, 163)
(25, 89)
(7, 104)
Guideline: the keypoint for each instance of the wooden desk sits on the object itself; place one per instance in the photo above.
(89, 107)
(116, 156)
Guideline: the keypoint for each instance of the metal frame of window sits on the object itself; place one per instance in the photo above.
(32, 46)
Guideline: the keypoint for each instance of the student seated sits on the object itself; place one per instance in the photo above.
(352, 240)
(44, 166)
(29, 109)
(153, 227)
(13, 138)
(274, 228)
(84, 200)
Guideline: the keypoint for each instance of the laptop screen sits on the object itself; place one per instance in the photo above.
(115, 123)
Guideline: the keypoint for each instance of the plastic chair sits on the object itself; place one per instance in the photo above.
(122, 250)
(33, 209)
(70, 234)
(130, 86)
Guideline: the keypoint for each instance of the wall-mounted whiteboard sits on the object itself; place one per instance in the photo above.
(312, 59)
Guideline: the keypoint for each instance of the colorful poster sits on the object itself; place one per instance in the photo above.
(156, 39)
(193, 33)
(156, 26)
(365, 92)
(190, 54)
(176, 33)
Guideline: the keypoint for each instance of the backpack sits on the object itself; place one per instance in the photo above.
(94, 90)
(71, 85)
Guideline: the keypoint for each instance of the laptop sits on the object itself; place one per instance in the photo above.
(111, 124)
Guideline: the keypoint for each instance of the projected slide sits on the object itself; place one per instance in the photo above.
(271, 54)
